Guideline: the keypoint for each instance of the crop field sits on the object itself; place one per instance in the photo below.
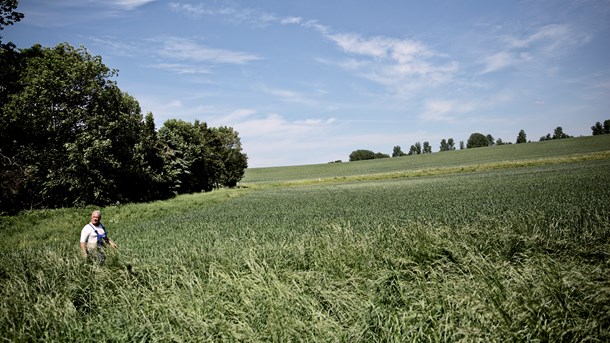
(507, 246)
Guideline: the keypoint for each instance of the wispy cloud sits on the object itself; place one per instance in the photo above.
(290, 95)
(501, 60)
(60, 13)
(544, 43)
(446, 110)
(251, 124)
(403, 66)
(184, 49)
(126, 4)
(400, 65)
(180, 68)
(180, 55)
(233, 14)
(291, 20)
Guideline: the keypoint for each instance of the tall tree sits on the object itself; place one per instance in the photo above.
(559, 134)
(70, 125)
(397, 151)
(444, 146)
(450, 144)
(599, 129)
(447, 145)
(427, 149)
(490, 140)
(233, 162)
(415, 149)
(521, 138)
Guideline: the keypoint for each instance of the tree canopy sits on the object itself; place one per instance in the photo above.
(70, 136)
(477, 140)
(521, 137)
(359, 155)
(599, 129)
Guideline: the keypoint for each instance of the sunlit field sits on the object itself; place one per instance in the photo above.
(514, 249)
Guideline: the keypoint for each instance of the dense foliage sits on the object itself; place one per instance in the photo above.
(521, 137)
(599, 129)
(360, 155)
(477, 140)
(70, 136)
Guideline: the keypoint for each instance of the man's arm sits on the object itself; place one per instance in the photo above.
(83, 248)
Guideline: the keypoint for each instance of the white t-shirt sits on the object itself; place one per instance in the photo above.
(88, 235)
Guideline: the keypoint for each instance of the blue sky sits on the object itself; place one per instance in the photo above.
(307, 82)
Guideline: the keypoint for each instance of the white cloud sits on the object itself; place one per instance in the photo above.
(498, 61)
(179, 68)
(403, 66)
(446, 110)
(238, 115)
(291, 20)
(290, 96)
(549, 33)
(185, 49)
(127, 4)
(547, 42)
(238, 15)
(190, 10)
(376, 47)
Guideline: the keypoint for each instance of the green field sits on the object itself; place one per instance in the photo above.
(508, 243)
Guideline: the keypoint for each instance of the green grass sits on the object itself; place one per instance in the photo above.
(507, 247)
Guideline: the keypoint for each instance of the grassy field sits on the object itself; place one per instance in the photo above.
(509, 243)
(535, 151)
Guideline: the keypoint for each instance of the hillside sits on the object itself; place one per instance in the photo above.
(514, 152)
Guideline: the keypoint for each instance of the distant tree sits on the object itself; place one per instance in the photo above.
(499, 141)
(599, 129)
(444, 146)
(427, 149)
(461, 145)
(415, 149)
(490, 140)
(451, 144)
(397, 152)
(447, 145)
(559, 134)
(546, 138)
(359, 155)
(477, 140)
(521, 138)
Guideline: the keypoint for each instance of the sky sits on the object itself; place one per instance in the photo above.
(308, 82)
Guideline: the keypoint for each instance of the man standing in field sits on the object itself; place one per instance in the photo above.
(94, 238)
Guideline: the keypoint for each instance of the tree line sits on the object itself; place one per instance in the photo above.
(70, 137)
(475, 140)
